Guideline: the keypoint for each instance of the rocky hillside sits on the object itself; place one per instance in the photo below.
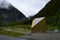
(11, 14)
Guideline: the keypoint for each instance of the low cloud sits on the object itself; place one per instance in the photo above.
(4, 4)
(29, 7)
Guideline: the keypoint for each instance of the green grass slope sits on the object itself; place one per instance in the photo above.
(52, 13)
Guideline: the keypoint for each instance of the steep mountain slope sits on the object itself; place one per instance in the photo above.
(52, 13)
(11, 14)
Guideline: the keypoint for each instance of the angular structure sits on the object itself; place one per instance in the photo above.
(38, 25)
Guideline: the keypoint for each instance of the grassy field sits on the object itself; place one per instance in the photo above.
(21, 26)
(10, 33)
(52, 28)
(25, 26)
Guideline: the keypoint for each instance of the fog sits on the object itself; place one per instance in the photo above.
(4, 4)
(27, 7)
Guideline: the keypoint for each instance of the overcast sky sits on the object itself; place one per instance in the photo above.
(29, 7)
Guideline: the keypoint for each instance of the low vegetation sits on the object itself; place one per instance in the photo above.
(10, 33)
(14, 25)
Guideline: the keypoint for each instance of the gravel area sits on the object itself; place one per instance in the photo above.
(43, 36)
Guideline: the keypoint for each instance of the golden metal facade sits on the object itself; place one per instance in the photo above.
(39, 27)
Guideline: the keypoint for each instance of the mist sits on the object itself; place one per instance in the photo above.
(29, 7)
(4, 4)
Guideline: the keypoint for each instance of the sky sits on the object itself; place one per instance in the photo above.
(27, 7)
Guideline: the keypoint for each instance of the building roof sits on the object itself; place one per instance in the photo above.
(36, 21)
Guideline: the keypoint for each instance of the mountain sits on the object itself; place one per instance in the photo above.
(11, 14)
(52, 13)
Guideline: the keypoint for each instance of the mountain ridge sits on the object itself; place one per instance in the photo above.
(11, 14)
(52, 13)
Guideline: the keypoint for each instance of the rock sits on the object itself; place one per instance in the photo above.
(11, 14)
(56, 30)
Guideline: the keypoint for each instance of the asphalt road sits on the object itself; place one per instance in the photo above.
(43, 36)
(2, 37)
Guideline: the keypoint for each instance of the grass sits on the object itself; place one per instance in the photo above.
(21, 26)
(18, 25)
(10, 33)
(25, 26)
(51, 28)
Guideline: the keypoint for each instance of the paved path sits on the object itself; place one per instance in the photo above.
(43, 36)
(2, 37)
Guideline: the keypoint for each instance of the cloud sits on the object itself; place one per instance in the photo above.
(29, 7)
(4, 4)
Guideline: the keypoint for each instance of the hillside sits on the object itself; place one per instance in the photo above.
(11, 14)
(52, 13)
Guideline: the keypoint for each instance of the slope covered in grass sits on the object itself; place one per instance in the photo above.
(52, 13)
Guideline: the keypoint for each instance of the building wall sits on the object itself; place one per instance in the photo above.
(40, 27)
